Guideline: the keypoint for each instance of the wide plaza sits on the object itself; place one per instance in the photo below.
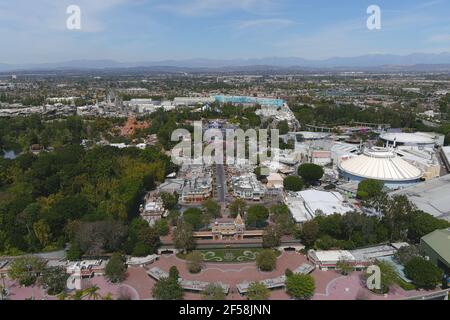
(330, 285)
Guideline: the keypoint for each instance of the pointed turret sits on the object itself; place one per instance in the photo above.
(238, 221)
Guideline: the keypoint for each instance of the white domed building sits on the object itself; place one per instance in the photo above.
(381, 164)
(423, 139)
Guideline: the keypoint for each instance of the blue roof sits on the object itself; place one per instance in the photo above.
(250, 100)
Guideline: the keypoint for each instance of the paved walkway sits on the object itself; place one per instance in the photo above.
(232, 274)
(352, 287)
(330, 285)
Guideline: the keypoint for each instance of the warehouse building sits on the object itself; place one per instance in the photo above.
(430, 196)
(436, 246)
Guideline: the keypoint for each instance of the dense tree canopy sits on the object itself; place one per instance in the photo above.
(257, 216)
(238, 206)
(369, 188)
(168, 289)
(310, 172)
(183, 236)
(116, 269)
(26, 270)
(43, 196)
(194, 217)
(212, 208)
(401, 221)
(54, 280)
(423, 273)
(293, 183)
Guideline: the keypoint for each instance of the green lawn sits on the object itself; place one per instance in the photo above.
(228, 255)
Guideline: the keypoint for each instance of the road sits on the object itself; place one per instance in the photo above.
(221, 183)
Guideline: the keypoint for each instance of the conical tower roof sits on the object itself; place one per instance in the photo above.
(238, 220)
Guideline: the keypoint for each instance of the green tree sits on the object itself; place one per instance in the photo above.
(309, 232)
(238, 206)
(194, 217)
(74, 253)
(54, 279)
(283, 127)
(42, 232)
(422, 223)
(116, 269)
(423, 273)
(293, 183)
(300, 286)
(389, 276)
(170, 201)
(397, 214)
(370, 188)
(212, 208)
(167, 289)
(26, 270)
(194, 262)
(405, 254)
(344, 267)
(271, 237)
(213, 292)
(142, 239)
(174, 274)
(266, 260)
(183, 237)
(92, 293)
(283, 219)
(310, 172)
(257, 216)
(258, 291)
(174, 217)
(163, 227)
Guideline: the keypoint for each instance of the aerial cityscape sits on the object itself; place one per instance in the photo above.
(283, 162)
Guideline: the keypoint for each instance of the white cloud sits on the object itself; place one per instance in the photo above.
(212, 7)
(50, 16)
(440, 38)
(260, 23)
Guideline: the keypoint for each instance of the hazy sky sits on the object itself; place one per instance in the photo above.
(34, 31)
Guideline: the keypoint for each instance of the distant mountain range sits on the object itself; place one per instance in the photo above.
(422, 61)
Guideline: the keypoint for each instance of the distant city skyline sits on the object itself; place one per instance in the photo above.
(156, 30)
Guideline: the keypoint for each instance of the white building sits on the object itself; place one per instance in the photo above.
(248, 187)
(153, 210)
(380, 164)
(275, 181)
(306, 205)
(429, 139)
(192, 101)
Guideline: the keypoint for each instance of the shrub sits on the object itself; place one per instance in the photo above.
(258, 291)
(194, 262)
(213, 292)
(266, 260)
